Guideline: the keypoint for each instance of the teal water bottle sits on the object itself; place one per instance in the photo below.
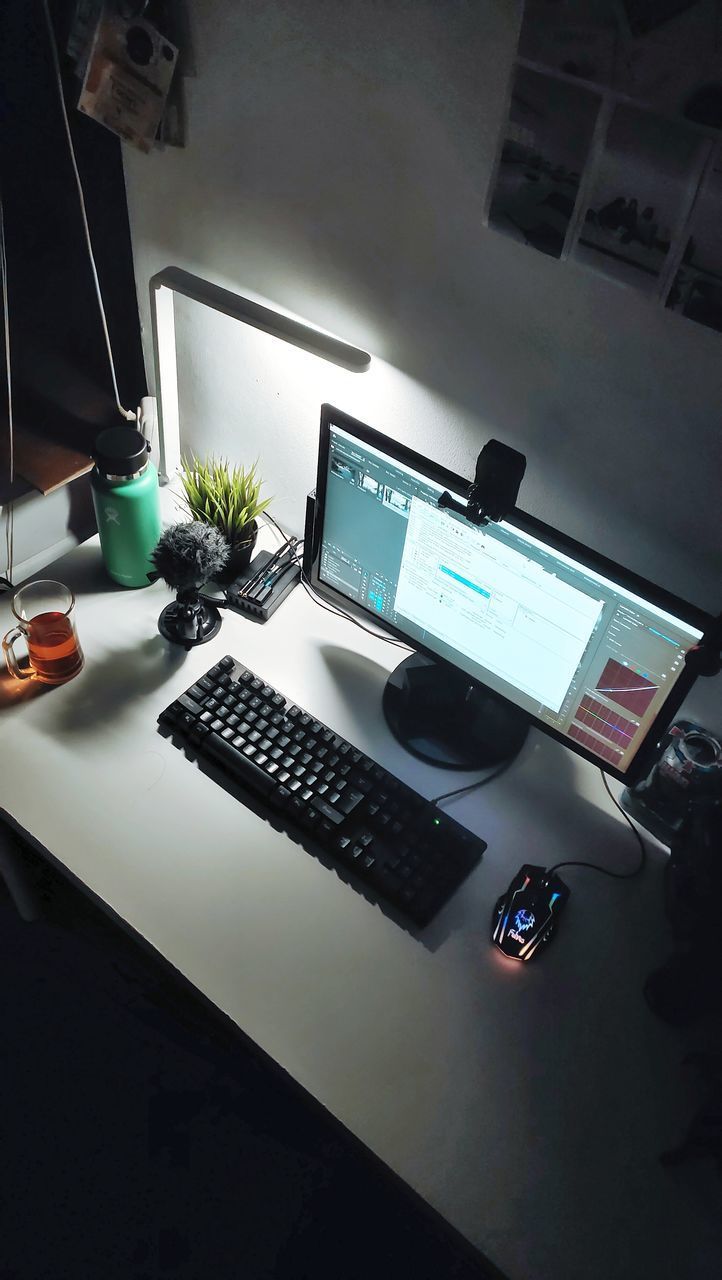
(127, 507)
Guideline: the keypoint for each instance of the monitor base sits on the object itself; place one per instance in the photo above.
(443, 717)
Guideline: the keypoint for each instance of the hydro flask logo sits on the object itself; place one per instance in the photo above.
(111, 515)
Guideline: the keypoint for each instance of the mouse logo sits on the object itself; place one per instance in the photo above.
(524, 920)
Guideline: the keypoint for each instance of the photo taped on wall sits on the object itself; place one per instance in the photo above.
(548, 137)
(642, 192)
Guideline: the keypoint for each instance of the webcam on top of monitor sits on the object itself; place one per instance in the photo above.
(493, 494)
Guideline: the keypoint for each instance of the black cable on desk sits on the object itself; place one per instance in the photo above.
(330, 608)
(471, 786)
(594, 866)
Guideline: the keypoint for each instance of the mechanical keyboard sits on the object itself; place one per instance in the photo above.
(402, 848)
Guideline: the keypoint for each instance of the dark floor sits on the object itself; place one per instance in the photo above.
(141, 1138)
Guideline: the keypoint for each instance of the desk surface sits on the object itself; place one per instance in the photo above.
(528, 1104)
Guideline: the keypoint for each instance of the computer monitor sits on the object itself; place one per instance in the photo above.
(513, 624)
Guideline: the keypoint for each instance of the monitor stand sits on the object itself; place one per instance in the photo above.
(442, 716)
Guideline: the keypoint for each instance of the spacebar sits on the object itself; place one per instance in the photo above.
(250, 774)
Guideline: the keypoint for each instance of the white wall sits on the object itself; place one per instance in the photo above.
(337, 162)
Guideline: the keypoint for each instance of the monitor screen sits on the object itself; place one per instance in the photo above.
(592, 653)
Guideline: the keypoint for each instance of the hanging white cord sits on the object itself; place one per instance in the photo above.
(10, 513)
(125, 413)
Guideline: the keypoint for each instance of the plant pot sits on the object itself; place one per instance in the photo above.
(241, 553)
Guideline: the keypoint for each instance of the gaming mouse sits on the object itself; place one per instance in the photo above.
(525, 917)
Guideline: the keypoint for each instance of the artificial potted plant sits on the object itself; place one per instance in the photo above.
(229, 498)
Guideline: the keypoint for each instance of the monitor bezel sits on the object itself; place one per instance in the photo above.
(698, 618)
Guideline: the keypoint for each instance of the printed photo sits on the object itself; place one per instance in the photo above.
(663, 54)
(547, 141)
(696, 290)
(644, 186)
(576, 37)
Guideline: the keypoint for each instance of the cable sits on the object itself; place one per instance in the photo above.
(267, 516)
(10, 518)
(377, 635)
(124, 413)
(616, 875)
(472, 786)
(330, 608)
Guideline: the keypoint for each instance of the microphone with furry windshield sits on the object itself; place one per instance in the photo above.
(186, 557)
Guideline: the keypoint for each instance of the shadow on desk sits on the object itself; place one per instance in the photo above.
(13, 692)
(82, 570)
(109, 685)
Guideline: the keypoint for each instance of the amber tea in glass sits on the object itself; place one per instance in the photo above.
(44, 611)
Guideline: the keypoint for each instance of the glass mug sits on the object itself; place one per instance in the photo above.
(44, 611)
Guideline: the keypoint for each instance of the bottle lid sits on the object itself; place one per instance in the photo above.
(121, 451)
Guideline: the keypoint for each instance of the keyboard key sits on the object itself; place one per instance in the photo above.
(349, 800)
(243, 769)
(331, 814)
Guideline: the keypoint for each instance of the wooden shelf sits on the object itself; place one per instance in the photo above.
(40, 462)
(47, 464)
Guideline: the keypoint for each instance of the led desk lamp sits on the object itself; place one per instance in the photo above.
(173, 280)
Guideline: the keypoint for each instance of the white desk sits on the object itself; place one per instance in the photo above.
(528, 1104)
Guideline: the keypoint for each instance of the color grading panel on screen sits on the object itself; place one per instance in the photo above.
(583, 654)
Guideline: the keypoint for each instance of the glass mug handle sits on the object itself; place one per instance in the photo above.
(20, 673)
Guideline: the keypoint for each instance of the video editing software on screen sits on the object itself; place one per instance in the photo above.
(582, 653)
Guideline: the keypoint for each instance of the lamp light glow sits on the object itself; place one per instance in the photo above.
(173, 280)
